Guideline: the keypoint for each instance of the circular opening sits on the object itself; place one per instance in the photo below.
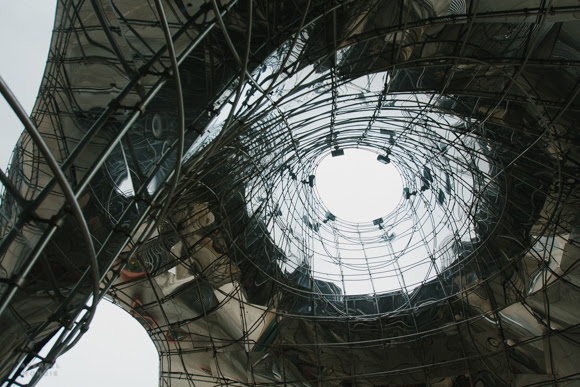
(357, 187)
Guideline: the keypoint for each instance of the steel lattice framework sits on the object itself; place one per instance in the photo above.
(170, 165)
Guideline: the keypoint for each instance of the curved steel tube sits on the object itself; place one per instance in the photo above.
(67, 191)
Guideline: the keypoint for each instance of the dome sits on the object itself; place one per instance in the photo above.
(173, 163)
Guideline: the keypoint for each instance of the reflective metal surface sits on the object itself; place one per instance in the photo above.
(190, 197)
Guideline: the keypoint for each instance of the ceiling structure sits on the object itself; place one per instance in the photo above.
(170, 164)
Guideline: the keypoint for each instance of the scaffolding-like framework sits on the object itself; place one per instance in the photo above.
(170, 165)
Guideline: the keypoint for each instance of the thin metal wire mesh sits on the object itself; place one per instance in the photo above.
(210, 230)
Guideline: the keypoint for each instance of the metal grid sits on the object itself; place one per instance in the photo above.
(189, 195)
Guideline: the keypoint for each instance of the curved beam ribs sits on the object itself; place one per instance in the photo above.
(170, 164)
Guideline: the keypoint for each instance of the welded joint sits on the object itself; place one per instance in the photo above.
(18, 281)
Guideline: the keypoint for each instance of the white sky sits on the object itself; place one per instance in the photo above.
(24, 51)
(116, 351)
(358, 188)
